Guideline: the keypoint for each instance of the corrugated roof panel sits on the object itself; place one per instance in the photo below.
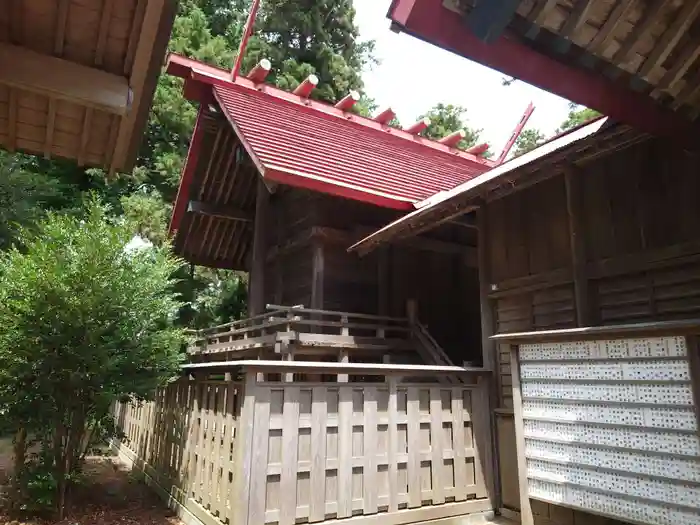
(303, 142)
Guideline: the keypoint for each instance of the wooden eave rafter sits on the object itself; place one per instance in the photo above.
(553, 66)
(153, 35)
(219, 211)
(23, 69)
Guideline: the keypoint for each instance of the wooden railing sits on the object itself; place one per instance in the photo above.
(284, 325)
(254, 453)
(607, 420)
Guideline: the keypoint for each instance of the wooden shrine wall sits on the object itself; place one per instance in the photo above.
(635, 258)
(308, 264)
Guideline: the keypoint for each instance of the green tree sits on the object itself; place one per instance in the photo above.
(577, 115)
(528, 140)
(301, 37)
(446, 119)
(83, 323)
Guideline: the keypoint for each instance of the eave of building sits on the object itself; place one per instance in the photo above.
(577, 146)
(77, 77)
(531, 41)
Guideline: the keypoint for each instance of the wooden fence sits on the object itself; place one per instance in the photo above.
(254, 453)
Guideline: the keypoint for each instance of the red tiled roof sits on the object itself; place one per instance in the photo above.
(292, 141)
(314, 145)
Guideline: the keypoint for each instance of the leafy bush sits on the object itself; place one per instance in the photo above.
(83, 322)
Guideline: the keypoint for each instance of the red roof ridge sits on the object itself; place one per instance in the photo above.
(188, 68)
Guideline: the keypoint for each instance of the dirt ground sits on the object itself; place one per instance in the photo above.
(113, 495)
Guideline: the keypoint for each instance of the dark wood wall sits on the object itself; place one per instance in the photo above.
(307, 263)
(615, 241)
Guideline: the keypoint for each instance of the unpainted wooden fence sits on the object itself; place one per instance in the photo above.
(254, 452)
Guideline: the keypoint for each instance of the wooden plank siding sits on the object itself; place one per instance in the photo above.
(305, 226)
(278, 453)
(639, 233)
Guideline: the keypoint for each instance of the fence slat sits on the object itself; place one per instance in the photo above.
(414, 487)
(437, 467)
(290, 452)
(481, 429)
(261, 438)
(392, 408)
(319, 412)
(460, 460)
(227, 464)
(345, 452)
(369, 469)
(205, 468)
(187, 468)
(216, 479)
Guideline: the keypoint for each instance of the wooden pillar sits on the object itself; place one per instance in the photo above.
(256, 295)
(572, 181)
(317, 275)
(526, 517)
(383, 276)
(488, 348)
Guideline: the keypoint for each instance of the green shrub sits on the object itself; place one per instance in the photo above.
(83, 322)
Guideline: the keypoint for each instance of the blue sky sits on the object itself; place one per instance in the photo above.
(414, 76)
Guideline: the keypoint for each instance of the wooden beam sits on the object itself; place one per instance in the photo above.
(153, 35)
(54, 77)
(576, 19)
(61, 24)
(639, 32)
(217, 210)
(12, 120)
(256, 301)
(85, 136)
(430, 21)
(526, 515)
(103, 31)
(317, 276)
(487, 318)
(680, 67)
(58, 46)
(670, 38)
(488, 20)
(540, 11)
(606, 33)
(574, 208)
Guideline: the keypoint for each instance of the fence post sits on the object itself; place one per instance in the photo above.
(240, 498)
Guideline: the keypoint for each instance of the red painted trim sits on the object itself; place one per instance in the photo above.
(430, 21)
(183, 191)
(209, 75)
(516, 133)
(247, 30)
(330, 188)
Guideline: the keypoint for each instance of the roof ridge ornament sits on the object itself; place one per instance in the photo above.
(348, 101)
(418, 126)
(307, 86)
(259, 73)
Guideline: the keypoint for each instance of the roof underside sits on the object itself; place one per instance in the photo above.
(634, 60)
(217, 228)
(77, 76)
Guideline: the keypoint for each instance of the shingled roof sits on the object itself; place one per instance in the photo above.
(294, 141)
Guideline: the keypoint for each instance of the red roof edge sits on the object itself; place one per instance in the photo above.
(431, 22)
(188, 68)
(183, 191)
(334, 188)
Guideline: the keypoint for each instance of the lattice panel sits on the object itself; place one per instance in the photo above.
(613, 505)
(610, 426)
